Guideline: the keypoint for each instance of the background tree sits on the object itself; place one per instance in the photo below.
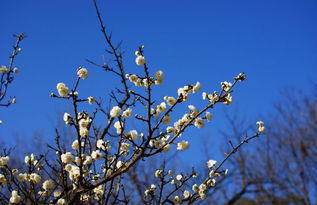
(280, 168)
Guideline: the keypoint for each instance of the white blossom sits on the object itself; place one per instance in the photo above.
(186, 194)
(196, 87)
(16, 70)
(88, 160)
(118, 126)
(199, 122)
(261, 127)
(179, 177)
(170, 129)
(96, 155)
(228, 99)
(15, 198)
(153, 187)
(57, 193)
(83, 123)
(204, 95)
(75, 145)
(177, 200)
(140, 60)
(99, 191)
(115, 111)
(132, 78)
(159, 77)
(91, 100)
(67, 118)
(158, 173)
(211, 182)
(202, 187)
(195, 188)
(167, 148)
(161, 107)
(3, 179)
(101, 144)
(137, 53)
(74, 173)
(211, 163)
(226, 86)
(127, 113)
(35, 178)
(4, 161)
(125, 147)
(61, 202)
(48, 184)
(67, 157)
(83, 132)
(208, 116)
(22, 177)
(166, 119)
(82, 73)
(170, 100)
(119, 164)
(183, 145)
(133, 134)
(62, 89)
(3, 69)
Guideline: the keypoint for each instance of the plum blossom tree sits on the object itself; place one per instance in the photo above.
(92, 170)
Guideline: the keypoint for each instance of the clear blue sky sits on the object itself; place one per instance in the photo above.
(274, 42)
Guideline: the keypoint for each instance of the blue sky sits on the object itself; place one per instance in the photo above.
(274, 42)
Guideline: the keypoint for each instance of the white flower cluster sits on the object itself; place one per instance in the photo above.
(185, 91)
(211, 163)
(3, 69)
(115, 111)
(241, 77)
(34, 177)
(143, 81)
(127, 113)
(73, 171)
(98, 191)
(135, 79)
(103, 145)
(62, 89)
(170, 100)
(161, 143)
(159, 109)
(82, 73)
(133, 135)
(67, 118)
(150, 190)
(3, 179)
(159, 77)
(4, 160)
(261, 127)
(91, 100)
(158, 173)
(139, 60)
(213, 98)
(48, 184)
(84, 121)
(15, 198)
(61, 202)
(96, 154)
(119, 126)
(183, 145)
(67, 157)
(31, 160)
